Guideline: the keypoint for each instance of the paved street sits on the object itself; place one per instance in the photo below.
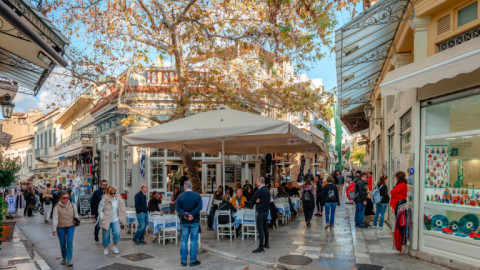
(341, 248)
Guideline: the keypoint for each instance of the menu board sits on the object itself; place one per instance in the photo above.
(229, 173)
(238, 173)
(436, 166)
(84, 202)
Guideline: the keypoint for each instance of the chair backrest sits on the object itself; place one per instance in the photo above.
(170, 219)
(249, 216)
(282, 201)
(224, 213)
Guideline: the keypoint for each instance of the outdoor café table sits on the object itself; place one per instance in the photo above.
(283, 209)
(131, 217)
(164, 207)
(156, 222)
(238, 218)
(295, 202)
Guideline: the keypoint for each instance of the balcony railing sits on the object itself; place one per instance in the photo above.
(79, 136)
(41, 152)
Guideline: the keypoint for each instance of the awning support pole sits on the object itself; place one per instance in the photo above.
(223, 165)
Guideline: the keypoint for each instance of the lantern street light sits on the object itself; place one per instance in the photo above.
(7, 107)
(368, 109)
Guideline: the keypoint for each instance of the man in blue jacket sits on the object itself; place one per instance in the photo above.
(94, 201)
(142, 215)
(261, 198)
(189, 205)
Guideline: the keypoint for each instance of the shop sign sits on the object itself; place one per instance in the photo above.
(293, 141)
(109, 147)
(311, 150)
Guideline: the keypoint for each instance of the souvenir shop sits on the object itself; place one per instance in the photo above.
(450, 176)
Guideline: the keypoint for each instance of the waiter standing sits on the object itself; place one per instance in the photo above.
(262, 202)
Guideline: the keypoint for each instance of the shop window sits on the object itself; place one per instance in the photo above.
(406, 132)
(171, 153)
(452, 168)
(156, 175)
(155, 152)
(467, 14)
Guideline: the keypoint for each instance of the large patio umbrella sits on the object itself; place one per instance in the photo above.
(227, 131)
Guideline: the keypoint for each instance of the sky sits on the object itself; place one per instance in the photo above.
(323, 69)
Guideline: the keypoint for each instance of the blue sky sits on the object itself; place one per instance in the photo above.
(324, 69)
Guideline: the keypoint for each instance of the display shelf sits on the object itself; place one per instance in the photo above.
(454, 207)
(452, 237)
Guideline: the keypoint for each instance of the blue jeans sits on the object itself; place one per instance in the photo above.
(381, 208)
(65, 236)
(189, 230)
(97, 228)
(115, 227)
(359, 213)
(142, 225)
(330, 212)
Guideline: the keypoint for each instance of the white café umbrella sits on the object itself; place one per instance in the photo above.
(227, 131)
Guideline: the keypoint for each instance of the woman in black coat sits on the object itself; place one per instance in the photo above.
(319, 202)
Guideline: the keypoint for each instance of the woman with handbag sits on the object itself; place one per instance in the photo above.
(111, 212)
(65, 218)
(47, 204)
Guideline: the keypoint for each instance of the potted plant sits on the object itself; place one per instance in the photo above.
(8, 170)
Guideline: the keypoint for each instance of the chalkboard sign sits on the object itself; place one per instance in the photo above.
(238, 173)
(229, 173)
(84, 202)
(128, 176)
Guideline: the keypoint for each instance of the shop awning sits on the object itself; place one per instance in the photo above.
(30, 45)
(463, 58)
(70, 153)
(362, 47)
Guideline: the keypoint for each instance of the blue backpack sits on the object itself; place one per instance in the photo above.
(376, 197)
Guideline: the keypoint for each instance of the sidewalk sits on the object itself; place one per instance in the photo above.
(344, 247)
(14, 254)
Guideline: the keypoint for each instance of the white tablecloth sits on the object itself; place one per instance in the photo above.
(283, 208)
(131, 217)
(156, 222)
(295, 202)
(238, 219)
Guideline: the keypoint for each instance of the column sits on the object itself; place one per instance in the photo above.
(420, 37)
(119, 159)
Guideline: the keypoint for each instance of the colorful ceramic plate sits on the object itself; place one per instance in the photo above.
(439, 222)
(454, 226)
(468, 223)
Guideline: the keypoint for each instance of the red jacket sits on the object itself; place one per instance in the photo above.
(398, 193)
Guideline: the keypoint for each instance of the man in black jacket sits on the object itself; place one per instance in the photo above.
(94, 201)
(142, 215)
(360, 200)
(261, 198)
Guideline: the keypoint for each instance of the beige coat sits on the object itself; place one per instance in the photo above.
(63, 215)
(107, 212)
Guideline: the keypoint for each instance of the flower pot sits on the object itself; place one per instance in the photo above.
(6, 230)
(11, 223)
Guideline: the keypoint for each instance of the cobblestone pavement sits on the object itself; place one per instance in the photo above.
(344, 247)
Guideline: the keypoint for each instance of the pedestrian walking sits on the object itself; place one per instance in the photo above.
(47, 204)
(261, 198)
(319, 201)
(332, 199)
(56, 196)
(64, 226)
(111, 213)
(142, 215)
(30, 201)
(360, 199)
(94, 202)
(308, 194)
(188, 206)
(381, 207)
(340, 181)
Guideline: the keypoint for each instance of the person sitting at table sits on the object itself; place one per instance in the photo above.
(218, 195)
(283, 194)
(226, 205)
(155, 200)
(239, 200)
(292, 191)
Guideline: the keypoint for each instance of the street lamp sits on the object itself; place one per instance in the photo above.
(368, 109)
(7, 107)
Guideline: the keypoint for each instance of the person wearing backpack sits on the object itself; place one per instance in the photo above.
(319, 202)
(381, 200)
(47, 204)
(308, 197)
(332, 199)
(360, 200)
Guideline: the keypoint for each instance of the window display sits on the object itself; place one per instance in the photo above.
(452, 168)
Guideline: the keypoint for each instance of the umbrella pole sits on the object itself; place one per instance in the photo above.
(223, 164)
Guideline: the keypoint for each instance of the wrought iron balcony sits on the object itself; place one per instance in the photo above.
(76, 137)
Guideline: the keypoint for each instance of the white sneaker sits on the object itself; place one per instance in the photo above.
(115, 250)
(105, 251)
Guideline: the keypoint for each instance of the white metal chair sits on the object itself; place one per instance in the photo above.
(249, 225)
(229, 228)
(283, 202)
(168, 232)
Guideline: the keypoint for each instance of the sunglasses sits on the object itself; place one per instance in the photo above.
(65, 198)
(113, 193)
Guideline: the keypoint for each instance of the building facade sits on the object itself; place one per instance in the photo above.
(421, 113)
